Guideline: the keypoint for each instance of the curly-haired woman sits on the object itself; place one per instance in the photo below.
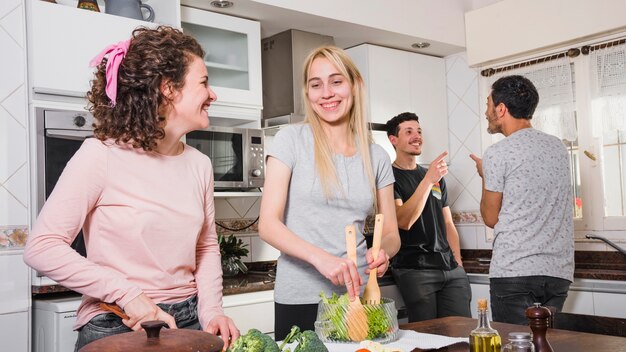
(143, 198)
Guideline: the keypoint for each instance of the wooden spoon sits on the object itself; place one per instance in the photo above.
(356, 319)
(371, 295)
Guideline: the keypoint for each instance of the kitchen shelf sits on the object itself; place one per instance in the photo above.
(218, 194)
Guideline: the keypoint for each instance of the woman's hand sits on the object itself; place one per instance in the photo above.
(142, 309)
(340, 271)
(381, 264)
(225, 327)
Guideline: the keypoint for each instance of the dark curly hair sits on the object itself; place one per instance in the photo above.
(519, 95)
(393, 126)
(154, 55)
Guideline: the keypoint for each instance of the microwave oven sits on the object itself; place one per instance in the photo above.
(237, 155)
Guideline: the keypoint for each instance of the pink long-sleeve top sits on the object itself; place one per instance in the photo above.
(149, 226)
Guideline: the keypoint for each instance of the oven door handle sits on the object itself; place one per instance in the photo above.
(69, 134)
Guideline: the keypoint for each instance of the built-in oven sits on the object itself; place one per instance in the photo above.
(237, 155)
(60, 134)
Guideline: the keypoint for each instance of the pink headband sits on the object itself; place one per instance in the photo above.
(116, 55)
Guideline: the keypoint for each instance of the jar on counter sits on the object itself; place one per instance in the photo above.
(519, 342)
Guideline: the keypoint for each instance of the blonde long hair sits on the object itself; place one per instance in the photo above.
(358, 121)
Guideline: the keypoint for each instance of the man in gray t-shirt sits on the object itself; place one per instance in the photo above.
(527, 200)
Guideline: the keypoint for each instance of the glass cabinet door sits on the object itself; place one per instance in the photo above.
(233, 54)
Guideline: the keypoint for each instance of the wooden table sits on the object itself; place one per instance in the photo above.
(560, 340)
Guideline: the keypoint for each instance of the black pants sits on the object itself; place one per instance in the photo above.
(510, 296)
(288, 315)
(430, 294)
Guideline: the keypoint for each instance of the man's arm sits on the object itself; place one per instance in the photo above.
(490, 202)
(490, 205)
(452, 235)
(409, 212)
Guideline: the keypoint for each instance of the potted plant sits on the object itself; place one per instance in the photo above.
(231, 250)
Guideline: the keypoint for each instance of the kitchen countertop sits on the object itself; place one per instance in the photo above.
(589, 265)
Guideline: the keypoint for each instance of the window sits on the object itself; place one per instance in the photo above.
(583, 102)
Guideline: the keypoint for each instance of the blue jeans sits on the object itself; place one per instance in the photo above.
(430, 294)
(510, 296)
(108, 324)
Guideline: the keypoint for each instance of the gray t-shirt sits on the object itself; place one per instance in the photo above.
(534, 234)
(317, 220)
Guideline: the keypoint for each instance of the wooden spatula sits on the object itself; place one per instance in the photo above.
(371, 295)
(356, 319)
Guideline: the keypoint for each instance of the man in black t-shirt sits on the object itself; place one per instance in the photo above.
(428, 268)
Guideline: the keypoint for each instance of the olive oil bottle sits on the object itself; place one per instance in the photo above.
(484, 338)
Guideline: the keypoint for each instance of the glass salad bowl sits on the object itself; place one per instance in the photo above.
(331, 323)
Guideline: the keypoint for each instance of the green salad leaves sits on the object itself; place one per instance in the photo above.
(378, 322)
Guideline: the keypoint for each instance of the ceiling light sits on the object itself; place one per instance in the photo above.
(420, 45)
(222, 4)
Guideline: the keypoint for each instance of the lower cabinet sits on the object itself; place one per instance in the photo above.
(605, 298)
(251, 310)
(609, 304)
(579, 302)
(14, 332)
(479, 290)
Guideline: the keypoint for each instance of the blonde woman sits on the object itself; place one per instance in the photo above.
(322, 175)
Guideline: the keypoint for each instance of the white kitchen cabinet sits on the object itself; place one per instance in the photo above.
(63, 39)
(398, 81)
(233, 60)
(480, 290)
(14, 302)
(609, 304)
(251, 310)
(579, 302)
(14, 332)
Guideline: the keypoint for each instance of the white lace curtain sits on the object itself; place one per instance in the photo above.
(555, 113)
(608, 88)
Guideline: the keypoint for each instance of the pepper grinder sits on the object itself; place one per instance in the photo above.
(539, 320)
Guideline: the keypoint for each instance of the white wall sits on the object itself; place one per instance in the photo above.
(13, 123)
(511, 28)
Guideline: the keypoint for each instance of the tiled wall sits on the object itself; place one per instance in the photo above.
(465, 111)
(238, 212)
(13, 126)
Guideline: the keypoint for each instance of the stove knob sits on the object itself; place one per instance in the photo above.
(79, 121)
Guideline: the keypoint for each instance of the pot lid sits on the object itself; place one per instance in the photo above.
(155, 340)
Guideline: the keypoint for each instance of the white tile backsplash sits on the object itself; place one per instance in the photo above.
(13, 154)
(15, 105)
(463, 168)
(461, 121)
(464, 113)
(17, 185)
(7, 6)
(261, 251)
(12, 212)
(460, 76)
(467, 236)
(12, 68)
(484, 237)
(13, 24)
(242, 205)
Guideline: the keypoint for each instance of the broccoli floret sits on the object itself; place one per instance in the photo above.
(254, 341)
(309, 342)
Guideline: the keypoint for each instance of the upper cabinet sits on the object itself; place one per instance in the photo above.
(397, 81)
(62, 39)
(233, 60)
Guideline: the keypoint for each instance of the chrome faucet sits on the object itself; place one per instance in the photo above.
(610, 243)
